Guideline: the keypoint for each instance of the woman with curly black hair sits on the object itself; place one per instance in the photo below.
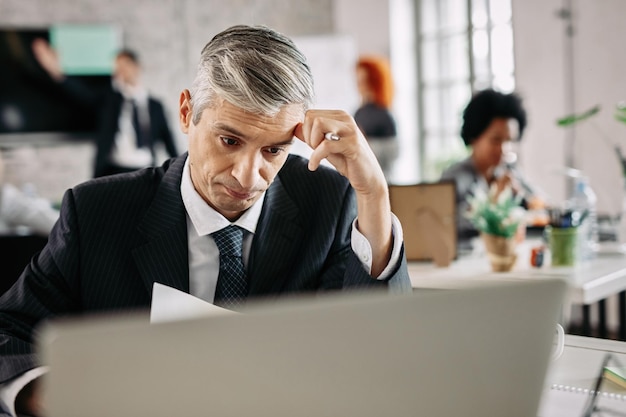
(491, 120)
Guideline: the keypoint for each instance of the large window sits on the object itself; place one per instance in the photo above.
(462, 46)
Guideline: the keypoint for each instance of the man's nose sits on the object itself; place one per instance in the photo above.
(247, 170)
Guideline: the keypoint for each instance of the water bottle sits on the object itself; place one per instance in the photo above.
(584, 214)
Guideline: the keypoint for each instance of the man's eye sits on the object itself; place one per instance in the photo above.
(229, 141)
(275, 151)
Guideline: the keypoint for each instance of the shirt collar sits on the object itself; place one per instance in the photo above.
(204, 218)
(137, 93)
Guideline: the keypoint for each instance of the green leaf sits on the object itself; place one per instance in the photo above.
(621, 117)
(575, 118)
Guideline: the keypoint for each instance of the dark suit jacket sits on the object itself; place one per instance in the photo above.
(108, 127)
(118, 235)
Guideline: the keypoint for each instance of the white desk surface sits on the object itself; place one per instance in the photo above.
(593, 281)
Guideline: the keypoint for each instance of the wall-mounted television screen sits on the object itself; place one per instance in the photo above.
(31, 101)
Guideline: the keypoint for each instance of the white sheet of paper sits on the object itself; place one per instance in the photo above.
(170, 304)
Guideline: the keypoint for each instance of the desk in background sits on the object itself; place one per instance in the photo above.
(589, 283)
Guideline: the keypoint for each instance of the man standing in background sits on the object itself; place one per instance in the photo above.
(131, 122)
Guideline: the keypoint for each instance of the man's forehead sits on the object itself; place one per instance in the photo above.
(241, 123)
(288, 114)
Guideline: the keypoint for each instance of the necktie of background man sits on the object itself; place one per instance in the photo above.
(232, 286)
(141, 124)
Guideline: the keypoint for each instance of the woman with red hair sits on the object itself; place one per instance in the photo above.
(374, 118)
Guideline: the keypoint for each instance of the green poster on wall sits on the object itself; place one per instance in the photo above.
(85, 49)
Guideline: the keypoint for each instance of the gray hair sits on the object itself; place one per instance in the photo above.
(254, 68)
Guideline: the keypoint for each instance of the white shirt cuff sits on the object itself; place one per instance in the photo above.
(9, 390)
(363, 250)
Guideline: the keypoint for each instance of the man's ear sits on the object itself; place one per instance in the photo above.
(185, 111)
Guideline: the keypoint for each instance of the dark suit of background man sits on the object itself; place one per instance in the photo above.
(119, 234)
(130, 121)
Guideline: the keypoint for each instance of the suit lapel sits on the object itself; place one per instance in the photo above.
(164, 257)
(279, 224)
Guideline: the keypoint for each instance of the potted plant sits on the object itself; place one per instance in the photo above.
(498, 216)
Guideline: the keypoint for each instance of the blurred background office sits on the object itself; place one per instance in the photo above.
(440, 52)
(562, 56)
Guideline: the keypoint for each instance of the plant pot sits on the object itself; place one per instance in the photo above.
(501, 252)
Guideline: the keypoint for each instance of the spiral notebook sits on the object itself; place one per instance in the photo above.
(566, 401)
(596, 401)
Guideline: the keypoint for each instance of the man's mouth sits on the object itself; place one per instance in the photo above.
(245, 195)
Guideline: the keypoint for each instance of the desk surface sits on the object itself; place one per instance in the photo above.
(595, 280)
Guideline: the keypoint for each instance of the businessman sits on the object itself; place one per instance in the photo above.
(131, 122)
(298, 227)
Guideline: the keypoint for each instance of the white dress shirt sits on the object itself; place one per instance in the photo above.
(125, 152)
(202, 220)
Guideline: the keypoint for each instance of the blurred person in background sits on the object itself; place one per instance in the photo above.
(375, 86)
(492, 121)
(131, 121)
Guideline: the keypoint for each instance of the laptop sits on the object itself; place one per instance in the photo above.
(482, 350)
